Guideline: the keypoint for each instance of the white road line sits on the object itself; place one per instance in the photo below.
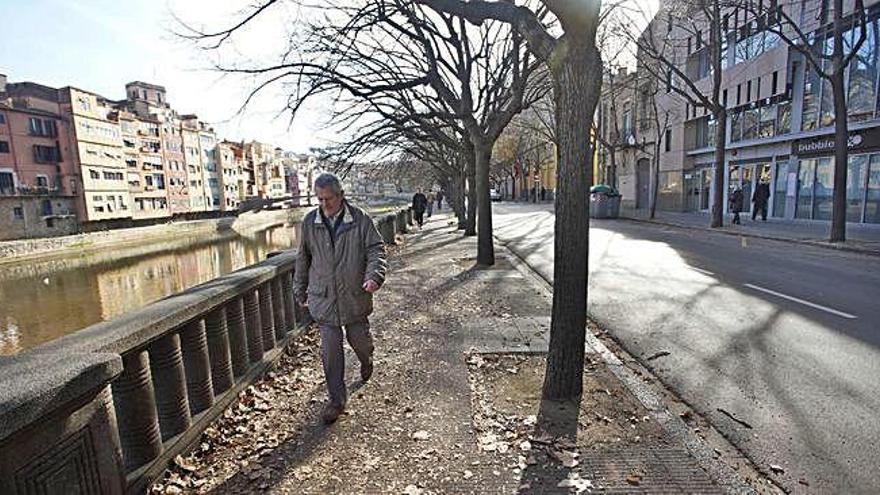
(805, 303)
(705, 272)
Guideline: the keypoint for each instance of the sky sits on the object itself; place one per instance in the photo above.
(100, 45)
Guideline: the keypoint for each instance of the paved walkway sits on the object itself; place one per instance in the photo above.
(454, 405)
(860, 237)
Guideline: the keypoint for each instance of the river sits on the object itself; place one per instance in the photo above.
(41, 301)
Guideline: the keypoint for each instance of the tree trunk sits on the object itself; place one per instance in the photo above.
(471, 222)
(655, 177)
(841, 131)
(576, 71)
(718, 182)
(485, 247)
(459, 198)
(512, 187)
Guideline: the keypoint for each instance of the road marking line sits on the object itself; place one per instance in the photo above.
(705, 272)
(801, 301)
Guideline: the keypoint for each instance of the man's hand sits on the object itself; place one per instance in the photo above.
(371, 286)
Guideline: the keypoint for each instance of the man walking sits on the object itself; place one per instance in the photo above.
(419, 203)
(761, 197)
(341, 263)
(736, 205)
(439, 200)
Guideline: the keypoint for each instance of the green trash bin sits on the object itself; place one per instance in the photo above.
(604, 201)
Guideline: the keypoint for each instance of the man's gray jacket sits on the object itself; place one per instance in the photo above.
(330, 274)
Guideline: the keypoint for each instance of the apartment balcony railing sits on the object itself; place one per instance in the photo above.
(30, 191)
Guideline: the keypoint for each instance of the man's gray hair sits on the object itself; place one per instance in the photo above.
(329, 181)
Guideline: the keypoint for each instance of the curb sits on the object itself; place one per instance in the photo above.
(820, 244)
(722, 473)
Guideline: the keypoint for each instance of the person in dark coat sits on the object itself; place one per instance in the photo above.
(340, 265)
(439, 200)
(736, 204)
(760, 198)
(419, 204)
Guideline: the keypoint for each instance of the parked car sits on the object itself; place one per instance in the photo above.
(494, 195)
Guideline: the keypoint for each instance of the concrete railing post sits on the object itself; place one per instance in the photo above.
(218, 350)
(169, 380)
(238, 336)
(135, 403)
(289, 300)
(278, 309)
(254, 326)
(409, 216)
(267, 316)
(387, 230)
(196, 363)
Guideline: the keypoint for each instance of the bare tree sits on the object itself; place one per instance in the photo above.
(574, 65)
(830, 62)
(661, 53)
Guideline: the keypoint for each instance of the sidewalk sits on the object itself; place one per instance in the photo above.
(862, 238)
(453, 407)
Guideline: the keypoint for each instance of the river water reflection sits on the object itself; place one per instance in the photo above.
(40, 302)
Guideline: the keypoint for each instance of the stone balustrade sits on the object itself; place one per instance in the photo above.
(105, 409)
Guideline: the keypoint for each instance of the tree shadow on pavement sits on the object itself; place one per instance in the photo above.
(556, 420)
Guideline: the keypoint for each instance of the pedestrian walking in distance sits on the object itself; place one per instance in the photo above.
(419, 204)
(340, 264)
(430, 203)
(760, 198)
(736, 204)
(439, 200)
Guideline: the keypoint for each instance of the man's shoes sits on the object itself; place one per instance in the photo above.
(366, 370)
(331, 413)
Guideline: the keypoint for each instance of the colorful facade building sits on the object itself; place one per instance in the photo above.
(96, 142)
(230, 160)
(38, 182)
(72, 160)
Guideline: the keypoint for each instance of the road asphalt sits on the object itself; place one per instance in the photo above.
(777, 344)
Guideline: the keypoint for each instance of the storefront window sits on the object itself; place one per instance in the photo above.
(780, 188)
(824, 189)
(872, 198)
(806, 174)
(856, 177)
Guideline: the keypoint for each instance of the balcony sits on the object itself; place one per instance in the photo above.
(31, 191)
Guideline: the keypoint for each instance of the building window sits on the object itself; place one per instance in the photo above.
(18, 213)
(42, 127)
(706, 132)
(46, 154)
(2, 118)
(774, 85)
(42, 181)
(668, 140)
(862, 81)
(4, 147)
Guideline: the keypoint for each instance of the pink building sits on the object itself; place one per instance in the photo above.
(38, 182)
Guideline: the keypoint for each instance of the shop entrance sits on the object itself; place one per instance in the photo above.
(747, 177)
